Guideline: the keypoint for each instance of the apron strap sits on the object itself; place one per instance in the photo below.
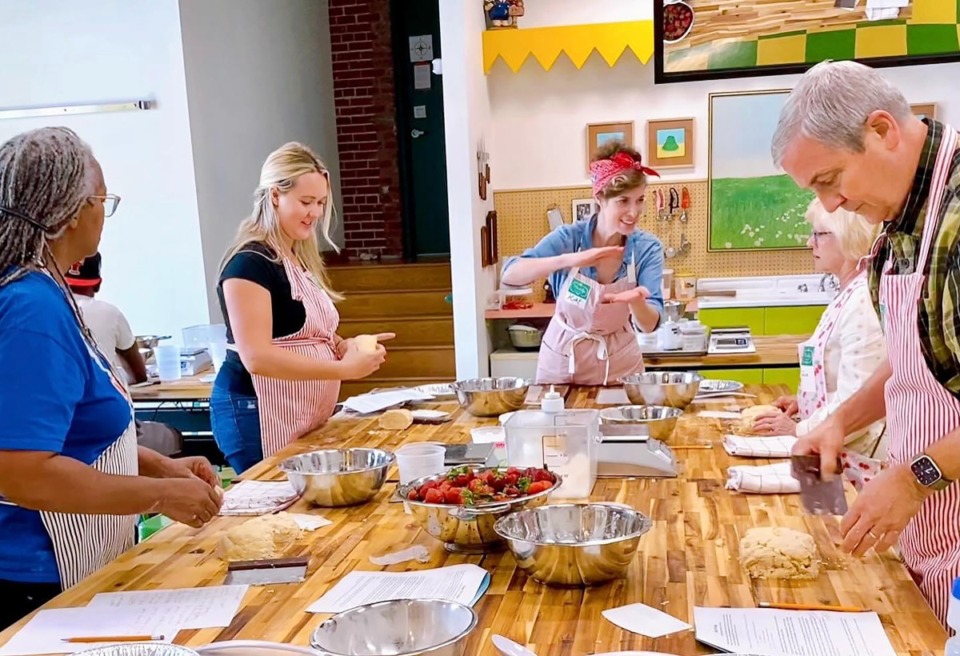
(938, 189)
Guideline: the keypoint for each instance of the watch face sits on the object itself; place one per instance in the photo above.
(926, 471)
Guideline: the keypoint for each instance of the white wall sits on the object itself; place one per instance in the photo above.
(63, 52)
(546, 13)
(258, 75)
(541, 116)
(466, 120)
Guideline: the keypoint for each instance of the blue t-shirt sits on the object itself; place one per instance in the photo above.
(55, 396)
(642, 249)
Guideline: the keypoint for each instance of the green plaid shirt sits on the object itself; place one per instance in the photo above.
(940, 306)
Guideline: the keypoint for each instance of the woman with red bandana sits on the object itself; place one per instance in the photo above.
(604, 272)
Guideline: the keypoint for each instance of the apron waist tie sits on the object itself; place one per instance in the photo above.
(291, 342)
(579, 336)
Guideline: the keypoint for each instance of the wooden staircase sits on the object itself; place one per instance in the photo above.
(410, 300)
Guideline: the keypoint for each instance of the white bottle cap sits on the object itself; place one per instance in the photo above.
(552, 401)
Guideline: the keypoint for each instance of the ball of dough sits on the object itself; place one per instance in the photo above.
(366, 343)
(779, 553)
(269, 536)
(397, 419)
(749, 415)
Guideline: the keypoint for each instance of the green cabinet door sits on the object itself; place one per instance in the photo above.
(789, 377)
(792, 320)
(730, 317)
(745, 376)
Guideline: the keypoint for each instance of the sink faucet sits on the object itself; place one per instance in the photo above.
(802, 288)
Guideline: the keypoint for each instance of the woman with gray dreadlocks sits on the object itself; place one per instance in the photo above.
(72, 478)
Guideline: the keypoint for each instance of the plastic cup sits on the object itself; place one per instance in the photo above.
(418, 460)
(218, 351)
(168, 362)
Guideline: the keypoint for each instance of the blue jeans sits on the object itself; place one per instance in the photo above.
(236, 428)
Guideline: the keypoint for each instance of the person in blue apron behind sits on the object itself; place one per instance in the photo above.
(607, 274)
(72, 478)
(849, 135)
(847, 346)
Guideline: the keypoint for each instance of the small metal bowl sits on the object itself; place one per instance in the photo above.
(332, 478)
(466, 529)
(402, 627)
(491, 397)
(660, 420)
(574, 544)
(675, 389)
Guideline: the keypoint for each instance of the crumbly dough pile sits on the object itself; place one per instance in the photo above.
(779, 553)
(269, 536)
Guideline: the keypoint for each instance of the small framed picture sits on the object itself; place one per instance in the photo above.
(599, 134)
(925, 110)
(670, 143)
(584, 208)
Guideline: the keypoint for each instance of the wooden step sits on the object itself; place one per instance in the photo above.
(350, 388)
(382, 277)
(419, 362)
(410, 331)
(366, 305)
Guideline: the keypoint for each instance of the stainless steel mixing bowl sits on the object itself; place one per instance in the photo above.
(467, 529)
(332, 478)
(660, 420)
(574, 544)
(491, 397)
(675, 389)
(403, 627)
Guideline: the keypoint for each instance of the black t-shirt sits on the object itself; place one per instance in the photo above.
(256, 263)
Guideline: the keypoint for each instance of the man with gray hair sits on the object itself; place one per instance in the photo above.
(849, 135)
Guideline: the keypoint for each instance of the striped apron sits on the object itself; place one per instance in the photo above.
(289, 409)
(589, 342)
(920, 410)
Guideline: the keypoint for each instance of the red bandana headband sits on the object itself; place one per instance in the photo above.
(605, 170)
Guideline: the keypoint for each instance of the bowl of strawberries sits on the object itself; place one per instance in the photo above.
(460, 507)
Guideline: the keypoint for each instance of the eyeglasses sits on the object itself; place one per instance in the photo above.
(817, 236)
(110, 202)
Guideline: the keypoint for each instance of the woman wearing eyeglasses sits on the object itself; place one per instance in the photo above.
(847, 346)
(72, 477)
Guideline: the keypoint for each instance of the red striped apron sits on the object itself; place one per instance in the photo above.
(920, 410)
(289, 409)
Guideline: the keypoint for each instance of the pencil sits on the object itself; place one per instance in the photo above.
(836, 609)
(128, 638)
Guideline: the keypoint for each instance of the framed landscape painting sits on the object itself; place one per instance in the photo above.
(743, 38)
(600, 134)
(752, 204)
(670, 143)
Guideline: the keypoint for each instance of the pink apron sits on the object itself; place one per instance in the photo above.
(289, 409)
(589, 342)
(920, 410)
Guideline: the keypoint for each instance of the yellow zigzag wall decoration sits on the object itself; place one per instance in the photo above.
(577, 41)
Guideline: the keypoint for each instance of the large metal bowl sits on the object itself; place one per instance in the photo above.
(467, 529)
(574, 544)
(660, 420)
(491, 397)
(332, 478)
(402, 627)
(675, 389)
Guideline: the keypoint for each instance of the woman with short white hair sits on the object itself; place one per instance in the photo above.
(847, 346)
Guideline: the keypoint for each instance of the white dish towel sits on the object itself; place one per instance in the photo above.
(765, 479)
(776, 446)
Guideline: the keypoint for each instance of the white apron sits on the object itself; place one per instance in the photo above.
(920, 410)
(589, 342)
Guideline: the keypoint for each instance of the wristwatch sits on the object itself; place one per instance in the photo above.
(928, 474)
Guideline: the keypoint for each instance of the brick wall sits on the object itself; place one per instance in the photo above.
(363, 91)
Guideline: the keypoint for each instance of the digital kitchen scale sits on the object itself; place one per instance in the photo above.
(627, 450)
(731, 340)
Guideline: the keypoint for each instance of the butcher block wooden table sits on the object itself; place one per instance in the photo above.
(690, 557)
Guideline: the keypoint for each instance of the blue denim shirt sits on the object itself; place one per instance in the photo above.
(642, 248)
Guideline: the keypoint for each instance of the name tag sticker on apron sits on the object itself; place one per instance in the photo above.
(578, 292)
(807, 356)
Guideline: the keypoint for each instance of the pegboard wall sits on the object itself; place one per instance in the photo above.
(522, 222)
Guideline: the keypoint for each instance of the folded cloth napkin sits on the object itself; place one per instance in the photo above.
(776, 446)
(258, 498)
(765, 479)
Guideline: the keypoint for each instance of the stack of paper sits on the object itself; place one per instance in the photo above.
(767, 632)
(258, 498)
(885, 9)
(765, 479)
(461, 583)
(157, 614)
(775, 446)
